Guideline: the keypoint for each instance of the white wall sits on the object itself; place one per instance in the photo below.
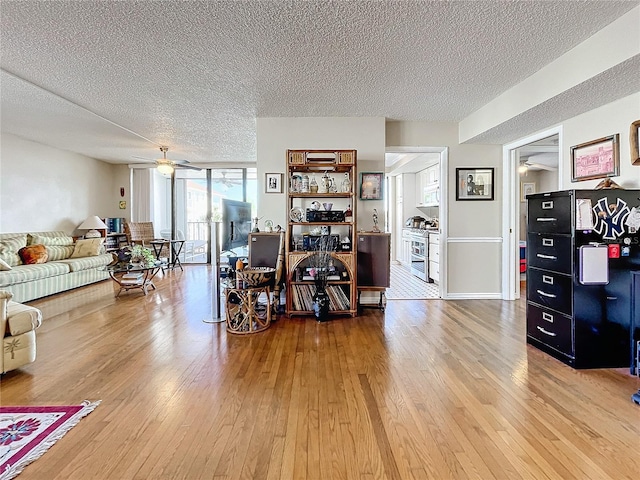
(615, 117)
(474, 227)
(276, 135)
(43, 188)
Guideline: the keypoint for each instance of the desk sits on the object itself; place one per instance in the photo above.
(143, 279)
(245, 314)
(175, 248)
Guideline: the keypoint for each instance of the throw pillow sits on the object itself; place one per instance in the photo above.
(59, 252)
(50, 241)
(9, 249)
(4, 266)
(89, 247)
(33, 254)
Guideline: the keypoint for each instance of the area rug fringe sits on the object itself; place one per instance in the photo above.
(12, 471)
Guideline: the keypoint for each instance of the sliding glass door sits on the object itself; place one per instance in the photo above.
(192, 190)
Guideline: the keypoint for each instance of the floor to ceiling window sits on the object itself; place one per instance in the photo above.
(192, 189)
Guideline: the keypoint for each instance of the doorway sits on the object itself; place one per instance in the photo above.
(404, 166)
(531, 165)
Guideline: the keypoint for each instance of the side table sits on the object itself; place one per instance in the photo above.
(175, 248)
(245, 314)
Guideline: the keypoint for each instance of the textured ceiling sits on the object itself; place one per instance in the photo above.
(195, 75)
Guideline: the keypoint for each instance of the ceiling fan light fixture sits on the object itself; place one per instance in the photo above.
(523, 168)
(165, 168)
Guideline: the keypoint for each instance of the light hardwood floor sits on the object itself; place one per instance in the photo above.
(426, 390)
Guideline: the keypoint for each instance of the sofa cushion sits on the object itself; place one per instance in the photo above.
(22, 318)
(35, 239)
(27, 273)
(33, 254)
(88, 247)
(85, 263)
(4, 266)
(9, 247)
(59, 252)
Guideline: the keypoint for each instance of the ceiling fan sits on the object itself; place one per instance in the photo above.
(166, 166)
(528, 164)
(226, 182)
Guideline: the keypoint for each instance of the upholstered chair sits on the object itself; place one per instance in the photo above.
(18, 325)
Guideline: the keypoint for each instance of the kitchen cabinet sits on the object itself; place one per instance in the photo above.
(405, 258)
(428, 186)
(321, 204)
(434, 257)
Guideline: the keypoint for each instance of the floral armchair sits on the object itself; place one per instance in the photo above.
(18, 325)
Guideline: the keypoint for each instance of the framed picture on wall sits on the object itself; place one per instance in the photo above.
(474, 183)
(371, 185)
(526, 189)
(273, 183)
(634, 134)
(596, 159)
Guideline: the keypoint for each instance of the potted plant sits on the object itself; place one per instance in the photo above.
(136, 254)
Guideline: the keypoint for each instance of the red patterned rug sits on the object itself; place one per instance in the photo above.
(27, 432)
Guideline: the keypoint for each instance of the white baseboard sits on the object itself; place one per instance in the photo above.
(474, 296)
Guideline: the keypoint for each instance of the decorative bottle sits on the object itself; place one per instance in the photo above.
(346, 183)
(313, 185)
(348, 215)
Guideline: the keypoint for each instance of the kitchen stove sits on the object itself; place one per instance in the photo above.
(419, 260)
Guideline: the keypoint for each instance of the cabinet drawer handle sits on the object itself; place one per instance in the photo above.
(547, 279)
(546, 219)
(547, 257)
(547, 242)
(547, 205)
(545, 294)
(547, 316)
(546, 332)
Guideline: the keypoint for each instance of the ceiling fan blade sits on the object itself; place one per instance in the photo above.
(143, 158)
(542, 166)
(142, 165)
(187, 167)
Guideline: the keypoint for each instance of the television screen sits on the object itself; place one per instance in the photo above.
(236, 224)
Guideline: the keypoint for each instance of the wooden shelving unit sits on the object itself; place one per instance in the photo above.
(334, 165)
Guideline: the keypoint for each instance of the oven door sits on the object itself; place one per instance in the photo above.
(419, 260)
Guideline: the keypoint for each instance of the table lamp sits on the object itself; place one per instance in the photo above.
(91, 224)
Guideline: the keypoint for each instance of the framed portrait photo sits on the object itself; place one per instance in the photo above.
(634, 144)
(371, 185)
(273, 183)
(474, 183)
(596, 159)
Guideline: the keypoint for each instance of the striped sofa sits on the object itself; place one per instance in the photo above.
(59, 273)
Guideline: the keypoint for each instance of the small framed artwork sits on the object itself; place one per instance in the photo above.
(273, 183)
(474, 183)
(527, 189)
(634, 144)
(596, 159)
(371, 185)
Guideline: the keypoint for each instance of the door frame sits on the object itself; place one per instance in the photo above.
(511, 208)
(443, 214)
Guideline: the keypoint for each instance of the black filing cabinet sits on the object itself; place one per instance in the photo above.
(583, 325)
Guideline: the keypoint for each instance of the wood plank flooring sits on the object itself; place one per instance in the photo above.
(428, 389)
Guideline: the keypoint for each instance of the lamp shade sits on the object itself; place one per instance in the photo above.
(165, 168)
(91, 224)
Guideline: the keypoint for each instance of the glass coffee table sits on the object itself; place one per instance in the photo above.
(130, 277)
